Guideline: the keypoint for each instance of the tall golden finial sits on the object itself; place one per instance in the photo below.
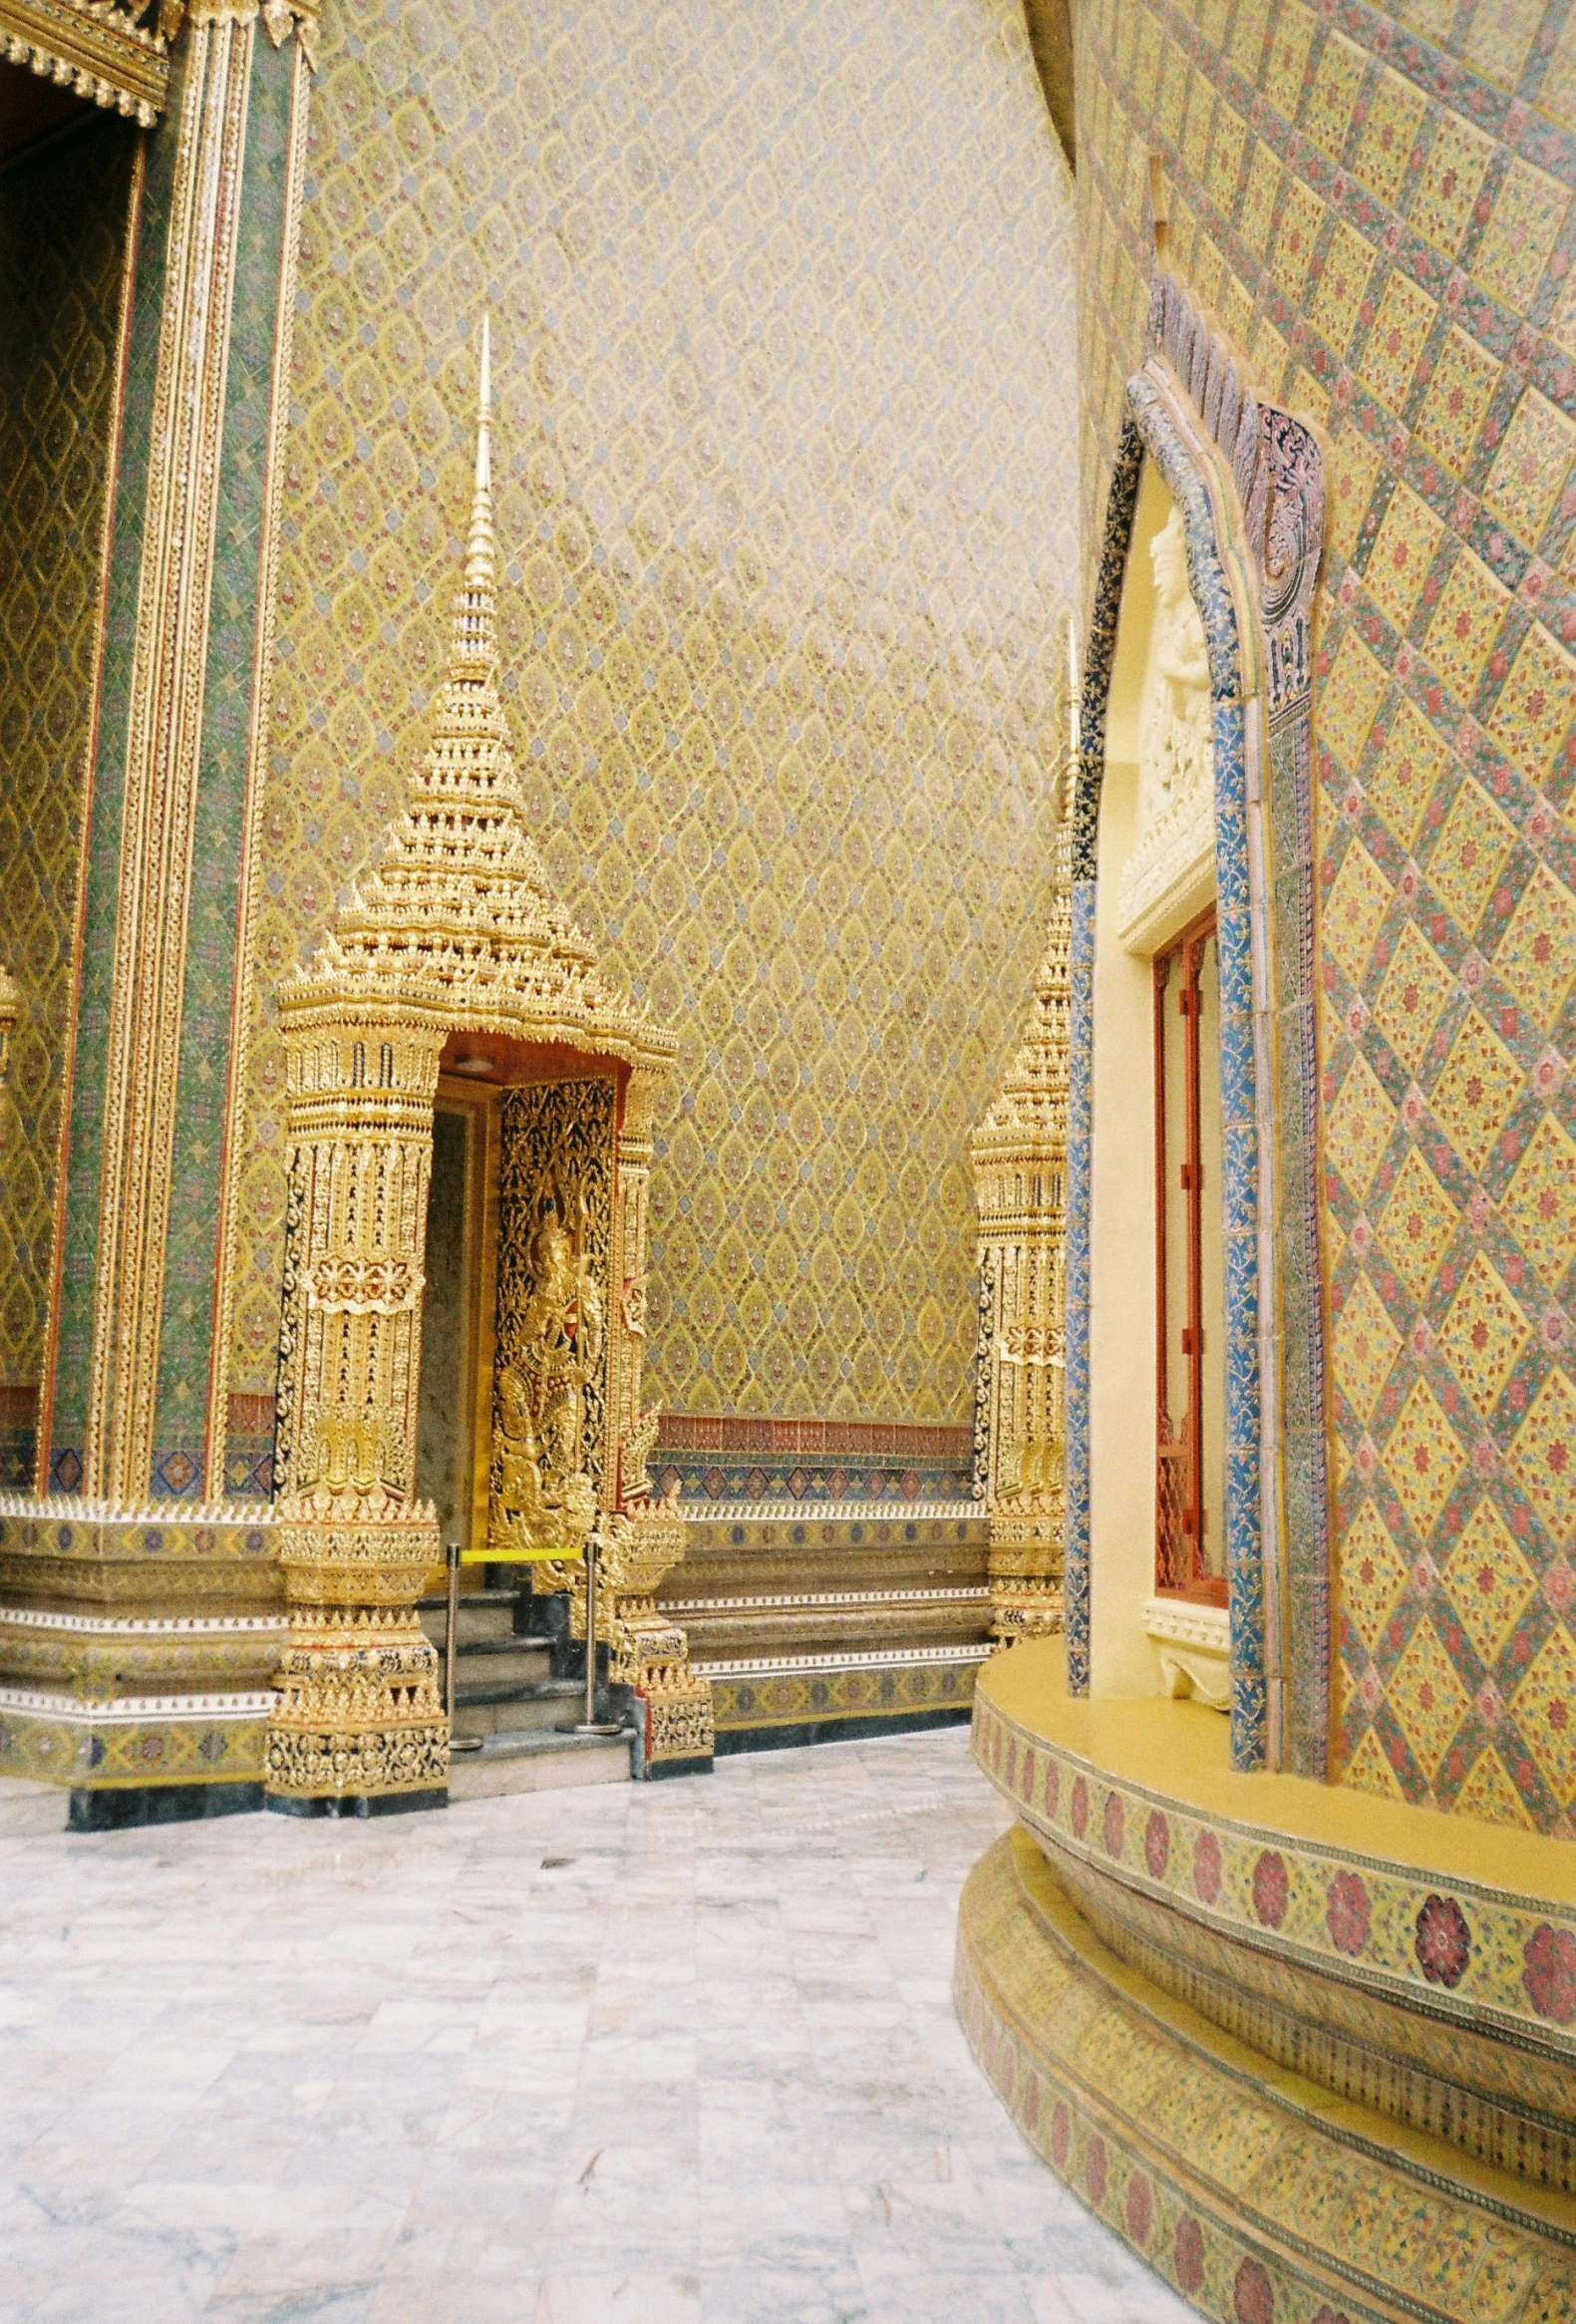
(476, 647)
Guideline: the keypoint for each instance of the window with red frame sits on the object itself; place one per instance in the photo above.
(1190, 1553)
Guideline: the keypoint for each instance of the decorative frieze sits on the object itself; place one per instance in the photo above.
(98, 48)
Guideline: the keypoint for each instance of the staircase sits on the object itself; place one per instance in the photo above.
(505, 1694)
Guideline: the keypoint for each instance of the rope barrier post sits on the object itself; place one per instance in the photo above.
(590, 1724)
(450, 1644)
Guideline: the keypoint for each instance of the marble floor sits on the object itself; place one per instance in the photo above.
(683, 2054)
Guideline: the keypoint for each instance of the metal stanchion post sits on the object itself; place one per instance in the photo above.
(590, 1724)
(451, 1642)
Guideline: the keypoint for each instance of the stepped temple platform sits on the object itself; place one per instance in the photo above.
(1311, 2054)
(823, 1621)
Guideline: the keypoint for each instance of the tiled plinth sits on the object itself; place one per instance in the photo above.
(1294, 2046)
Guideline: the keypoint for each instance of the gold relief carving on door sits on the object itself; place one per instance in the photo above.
(549, 1391)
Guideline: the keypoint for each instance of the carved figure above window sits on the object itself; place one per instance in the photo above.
(1177, 763)
(1169, 875)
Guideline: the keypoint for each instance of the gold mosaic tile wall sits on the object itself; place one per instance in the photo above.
(782, 305)
(1377, 206)
(62, 227)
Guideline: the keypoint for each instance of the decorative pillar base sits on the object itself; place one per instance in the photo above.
(675, 1729)
(1026, 1575)
(357, 1719)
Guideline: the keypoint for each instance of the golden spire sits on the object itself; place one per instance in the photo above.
(475, 642)
(1032, 1101)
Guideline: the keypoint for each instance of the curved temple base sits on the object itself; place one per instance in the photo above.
(1257, 2195)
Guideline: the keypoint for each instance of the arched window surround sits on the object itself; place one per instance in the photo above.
(1248, 480)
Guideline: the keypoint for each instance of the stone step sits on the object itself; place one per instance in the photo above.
(503, 1662)
(526, 1760)
(530, 1709)
(729, 1632)
(484, 1614)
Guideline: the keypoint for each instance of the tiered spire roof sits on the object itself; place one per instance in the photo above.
(1028, 1115)
(459, 913)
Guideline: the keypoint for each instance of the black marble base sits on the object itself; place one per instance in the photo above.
(791, 1738)
(362, 1804)
(656, 1771)
(126, 1809)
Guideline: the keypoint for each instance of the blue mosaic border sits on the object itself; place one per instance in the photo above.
(1152, 428)
(1079, 1122)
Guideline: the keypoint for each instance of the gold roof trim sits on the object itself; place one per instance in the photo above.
(457, 922)
(95, 47)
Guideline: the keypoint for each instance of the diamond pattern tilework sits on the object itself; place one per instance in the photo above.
(1357, 903)
(1372, 1574)
(1531, 465)
(1484, 1334)
(1360, 1124)
(1366, 1345)
(1466, 623)
(1343, 279)
(1488, 1581)
(1411, 998)
(1539, 1205)
(1524, 226)
(1440, 298)
(1490, 1795)
(1536, 956)
(1418, 1224)
(1384, 152)
(1461, 387)
(1452, 175)
(1534, 713)
(789, 524)
(1401, 555)
(1352, 700)
(62, 220)
(1474, 1094)
(1435, 1696)
(1423, 1459)
(1468, 855)
(1406, 773)
(1395, 343)
(1545, 1453)
(1546, 1712)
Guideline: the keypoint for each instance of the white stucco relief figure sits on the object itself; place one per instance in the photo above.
(1176, 761)
(1170, 871)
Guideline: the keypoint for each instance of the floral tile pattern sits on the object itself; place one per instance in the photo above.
(1474, 1955)
(1431, 153)
(788, 527)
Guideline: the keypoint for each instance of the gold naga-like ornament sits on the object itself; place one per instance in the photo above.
(1019, 1156)
(456, 932)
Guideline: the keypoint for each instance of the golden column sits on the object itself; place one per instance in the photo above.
(1019, 1156)
(358, 1714)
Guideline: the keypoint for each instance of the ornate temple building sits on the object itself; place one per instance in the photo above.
(787, 953)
